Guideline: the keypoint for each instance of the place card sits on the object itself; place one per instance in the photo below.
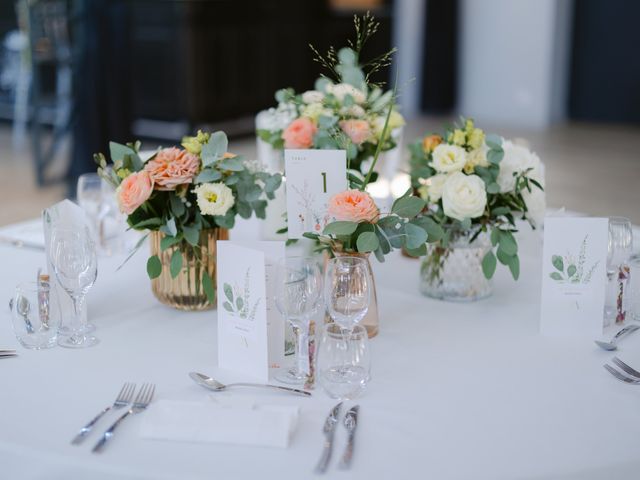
(250, 330)
(574, 276)
(312, 177)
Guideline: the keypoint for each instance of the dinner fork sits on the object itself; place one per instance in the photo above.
(627, 369)
(142, 401)
(122, 400)
(620, 376)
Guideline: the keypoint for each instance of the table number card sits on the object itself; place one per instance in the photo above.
(313, 176)
(574, 276)
(250, 330)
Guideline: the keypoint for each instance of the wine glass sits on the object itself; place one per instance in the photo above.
(620, 247)
(344, 361)
(347, 290)
(298, 296)
(73, 255)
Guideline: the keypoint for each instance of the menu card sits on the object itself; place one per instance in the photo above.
(574, 276)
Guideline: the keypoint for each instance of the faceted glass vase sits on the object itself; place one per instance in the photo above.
(454, 273)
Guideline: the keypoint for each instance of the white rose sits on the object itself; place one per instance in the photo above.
(342, 89)
(353, 111)
(464, 196)
(536, 204)
(434, 186)
(312, 96)
(214, 198)
(448, 158)
(516, 160)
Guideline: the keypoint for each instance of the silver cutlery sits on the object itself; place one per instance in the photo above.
(612, 345)
(620, 376)
(122, 400)
(329, 430)
(212, 384)
(23, 307)
(351, 424)
(8, 353)
(142, 401)
(627, 369)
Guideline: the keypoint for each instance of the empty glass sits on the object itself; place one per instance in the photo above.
(619, 250)
(344, 361)
(634, 288)
(97, 199)
(298, 296)
(35, 315)
(347, 291)
(73, 255)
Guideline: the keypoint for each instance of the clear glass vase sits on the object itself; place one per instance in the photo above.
(185, 291)
(455, 273)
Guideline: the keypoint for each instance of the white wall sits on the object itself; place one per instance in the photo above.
(513, 59)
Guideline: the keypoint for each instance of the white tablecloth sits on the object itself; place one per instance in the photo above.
(459, 391)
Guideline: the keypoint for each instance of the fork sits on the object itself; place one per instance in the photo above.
(626, 368)
(142, 401)
(620, 376)
(122, 400)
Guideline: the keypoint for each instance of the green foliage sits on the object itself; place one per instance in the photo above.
(154, 267)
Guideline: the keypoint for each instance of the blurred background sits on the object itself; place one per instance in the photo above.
(74, 74)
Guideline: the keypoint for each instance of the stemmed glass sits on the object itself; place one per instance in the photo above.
(347, 290)
(73, 255)
(298, 297)
(620, 248)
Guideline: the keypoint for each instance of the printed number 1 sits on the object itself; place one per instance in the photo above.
(324, 181)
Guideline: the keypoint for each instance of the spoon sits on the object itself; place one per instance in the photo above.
(23, 307)
(612, 344)
(211, 384)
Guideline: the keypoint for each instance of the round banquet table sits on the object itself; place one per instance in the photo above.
(458, 391)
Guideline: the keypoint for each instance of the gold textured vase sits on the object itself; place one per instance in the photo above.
(185, 291)
(371, 320)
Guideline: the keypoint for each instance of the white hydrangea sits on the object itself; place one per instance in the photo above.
(516, 160)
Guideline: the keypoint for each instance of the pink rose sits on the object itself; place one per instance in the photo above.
(172, 167)
(134, 191)
(353, 206)
(299, 133)
(357, 130)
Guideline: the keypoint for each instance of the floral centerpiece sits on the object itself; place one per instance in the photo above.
(346, 110)
(187, 198)
(476, 186)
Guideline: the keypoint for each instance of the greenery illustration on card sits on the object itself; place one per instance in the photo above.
(238, 299)
(573, 269)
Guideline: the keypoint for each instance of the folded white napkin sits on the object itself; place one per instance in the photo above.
(238, 423)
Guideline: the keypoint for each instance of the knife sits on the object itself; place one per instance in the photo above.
(329, 431)
(350, 423)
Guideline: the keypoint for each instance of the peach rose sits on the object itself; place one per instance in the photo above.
(353, 206)
(430, 142)
(134, 191)
(299, 133)
(357, 130)
(172, 167)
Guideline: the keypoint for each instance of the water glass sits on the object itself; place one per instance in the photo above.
(35, 314)
(73, 255)
(97, 198)
(298, 296)
(620, 247)
(347, 291)
(344, 361)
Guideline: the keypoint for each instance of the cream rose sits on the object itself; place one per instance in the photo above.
(214, 198)
(516, 160)
(434, 186)
(476, 158)
(341, 90)
(448, 158)
(464, 196)
(312, 96)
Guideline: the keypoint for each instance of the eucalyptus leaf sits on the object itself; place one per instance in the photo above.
(489, 264)
(340, 228)
(168, 242)
(177, 205)
(272, 183)
(493, 188)
(243, 209)
(191, 234)
(176, 263)
(207, 285)
(208, 175)
(367, 242)
(514, 266)
(416, 252)
(214, 149)
(508, 243)
(169, 228)
(416, 236)
(231, 164)
(408, 207)
(154, 267)
(495, 156)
